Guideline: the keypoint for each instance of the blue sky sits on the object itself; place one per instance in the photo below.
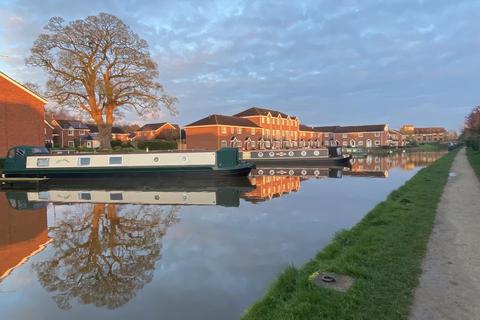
(328, 62)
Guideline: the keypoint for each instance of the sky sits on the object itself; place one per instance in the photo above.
(329, 62)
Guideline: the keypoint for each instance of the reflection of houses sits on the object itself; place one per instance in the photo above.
(424, 135)
(21, 115)
(378, 166)
(22, 235)
(268, 187)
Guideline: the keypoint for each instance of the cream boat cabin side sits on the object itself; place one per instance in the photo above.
(27, 161)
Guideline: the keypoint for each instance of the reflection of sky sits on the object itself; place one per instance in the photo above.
(216, 260)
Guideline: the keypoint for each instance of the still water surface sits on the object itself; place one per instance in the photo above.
(174, 252)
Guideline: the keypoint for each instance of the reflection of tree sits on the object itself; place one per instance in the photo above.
(105, 256)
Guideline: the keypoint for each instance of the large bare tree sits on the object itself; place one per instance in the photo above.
(100, 67)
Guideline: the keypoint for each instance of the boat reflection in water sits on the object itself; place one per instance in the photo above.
(103, 241)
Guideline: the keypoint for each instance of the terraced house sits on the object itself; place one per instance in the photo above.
(153, 131)
(21, 115)
(424, 135)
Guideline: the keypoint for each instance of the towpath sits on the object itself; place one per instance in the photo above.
(450, 283)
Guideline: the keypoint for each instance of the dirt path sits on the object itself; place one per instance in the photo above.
(450, 283)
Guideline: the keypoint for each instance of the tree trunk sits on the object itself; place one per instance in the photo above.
(105, 135)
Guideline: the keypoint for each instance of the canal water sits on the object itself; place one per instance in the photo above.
(178, 252)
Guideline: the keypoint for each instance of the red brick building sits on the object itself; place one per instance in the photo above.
(217, 131)
(162, 131)
(424, 135)
(69, 133)
(21, 115)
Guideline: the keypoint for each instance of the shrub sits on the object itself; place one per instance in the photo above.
(473, 141)
(2, 163)
(157, 144)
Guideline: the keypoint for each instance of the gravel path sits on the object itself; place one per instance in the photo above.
(450, 283)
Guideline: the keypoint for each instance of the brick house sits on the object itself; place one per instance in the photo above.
(308, 137)
(22, 115)
(280, 130)
(69, 133)
(326, 134)
(118, 134)
(217, 131)
(424, 135)
(162, 130)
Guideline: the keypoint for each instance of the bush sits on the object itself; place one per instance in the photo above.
(473, 141)
(2, 163)
(157, 145)
(115, 143)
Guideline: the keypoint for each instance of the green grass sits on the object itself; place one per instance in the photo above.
(474, 158)
(383, 252)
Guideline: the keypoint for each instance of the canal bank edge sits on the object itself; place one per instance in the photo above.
(383, 252)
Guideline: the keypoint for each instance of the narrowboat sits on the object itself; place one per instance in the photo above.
(38, 162)
(332, 156)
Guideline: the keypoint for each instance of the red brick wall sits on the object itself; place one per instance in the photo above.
(21, 118)
(358, 136)
(209, 138)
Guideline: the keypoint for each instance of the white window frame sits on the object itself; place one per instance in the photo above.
(377, 134)
(344, 135)
(223, 130)
(253, 131)
(223, 144)
(239, 130)
(71, 144)
(378, 142)
(71, 132)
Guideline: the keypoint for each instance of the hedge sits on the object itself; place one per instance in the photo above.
(157, 145)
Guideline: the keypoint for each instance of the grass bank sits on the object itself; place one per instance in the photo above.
(383, 252)
(474, 158)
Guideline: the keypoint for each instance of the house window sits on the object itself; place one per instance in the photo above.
(71, 132)
(377, 142)
(83, 161)
(344, 135)
(85, 196)
(232, 130)
(223, 130)
(115, 160)
(360, 143)
(71, 144)
(239, 130)
(223, 144)
(344, 143)
(268, 120)
(263, 120)
(377, 134)
(360, 134)
(43, 162)
(253, 131)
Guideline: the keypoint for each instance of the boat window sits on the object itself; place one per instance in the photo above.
(116, 196)
(43, 162)
(44, 195)
(83, 161)
(85, 196)
(40, 150)
(115, 160)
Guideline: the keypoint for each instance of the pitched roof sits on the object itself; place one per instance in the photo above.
(21, 86)
(75, 124)
(155, 126)
(256, 111)
(217, 119)
(429, 130)
(94, 128)
(364, 128)
(326, 129)
(303, 127)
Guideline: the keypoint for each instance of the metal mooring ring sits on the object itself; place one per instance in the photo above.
(328, 279)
